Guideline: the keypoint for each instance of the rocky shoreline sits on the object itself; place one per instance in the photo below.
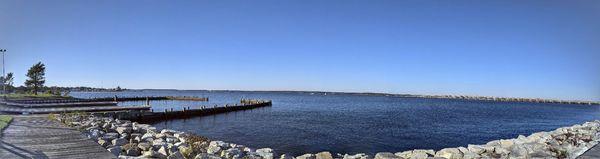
(127, 139)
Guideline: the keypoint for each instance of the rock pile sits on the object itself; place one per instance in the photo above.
(133, 140)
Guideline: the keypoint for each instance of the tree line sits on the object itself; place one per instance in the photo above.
(35, 81)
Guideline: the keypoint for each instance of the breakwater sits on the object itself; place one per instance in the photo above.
(507, 99)
(130, 139)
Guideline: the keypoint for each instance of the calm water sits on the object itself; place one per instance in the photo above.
(340, 123)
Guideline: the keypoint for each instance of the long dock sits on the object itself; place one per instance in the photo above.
(17, 110)
(36, 136)
(151, 116)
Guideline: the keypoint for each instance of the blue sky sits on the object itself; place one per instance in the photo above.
(546, 49)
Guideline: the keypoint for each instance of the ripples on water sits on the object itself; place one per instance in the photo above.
(299, 123)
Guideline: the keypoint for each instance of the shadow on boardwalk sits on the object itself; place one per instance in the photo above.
(36, 136)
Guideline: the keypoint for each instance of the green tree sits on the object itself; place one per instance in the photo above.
(36, 77)
(7, 81)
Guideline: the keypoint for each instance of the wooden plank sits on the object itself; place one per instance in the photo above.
(36, 136)
(70, 109)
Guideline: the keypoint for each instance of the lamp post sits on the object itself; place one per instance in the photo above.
(3, 74)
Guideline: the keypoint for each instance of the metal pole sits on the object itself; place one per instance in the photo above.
(3, 74)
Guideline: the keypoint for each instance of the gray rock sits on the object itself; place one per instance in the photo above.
(163, 150)
(133, 152)
(419, 155)
(506, 144)
(231, 152)
(213, 149)
(115, 150)
(386, 155)
(286, 156)
(103, 143)
(144, 146)
(307, 156)
(159, 136)
(449, 153)
(405, 154)
(266, 153)
(176, 155)
(219, 143)
(518, 151)
(122, 130)
(324, 155)
(356, 156)
(153, 154)
(119, 142)
(478, 149)
(171, 139)
(206, 156)
(110, 136)
(168, 131)
(147, 135)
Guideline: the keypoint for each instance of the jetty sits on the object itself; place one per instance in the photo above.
(506, 99)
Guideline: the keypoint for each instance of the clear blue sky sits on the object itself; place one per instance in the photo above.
(545, 48)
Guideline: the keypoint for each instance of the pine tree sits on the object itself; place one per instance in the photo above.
(36, 77)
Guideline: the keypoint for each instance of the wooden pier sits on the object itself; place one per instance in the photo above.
(48, 110)
(124, 99)
(151, 116)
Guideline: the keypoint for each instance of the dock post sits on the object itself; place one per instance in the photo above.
(115, 98)
(147, 101)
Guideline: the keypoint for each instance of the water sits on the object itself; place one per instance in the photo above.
(299, 123)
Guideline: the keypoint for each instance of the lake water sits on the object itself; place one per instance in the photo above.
(300, 122)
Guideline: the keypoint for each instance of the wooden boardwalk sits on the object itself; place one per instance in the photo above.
(16, 110)
(594, 152)
(35, 136)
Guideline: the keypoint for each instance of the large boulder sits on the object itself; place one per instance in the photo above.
(213, 149)
(153, 154)
(386, 155)
(122, 130)
(356, 156)
(324, 155)
(266, 153)
(144, 146)
(133, 152)
(307, 156)
(219, 143)
(119, 142)
(478, 149)
(231, 152)
(103, 143)
(115, 150)
(163, 150)
(449, 153)
(110, 136)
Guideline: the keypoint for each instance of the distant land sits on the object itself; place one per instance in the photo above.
(460, 97)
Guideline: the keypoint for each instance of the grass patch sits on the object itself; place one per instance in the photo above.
(4, 121)
(41, 96)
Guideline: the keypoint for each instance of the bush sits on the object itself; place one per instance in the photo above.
(4, 121)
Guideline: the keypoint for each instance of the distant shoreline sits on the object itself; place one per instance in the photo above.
(461, 97)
